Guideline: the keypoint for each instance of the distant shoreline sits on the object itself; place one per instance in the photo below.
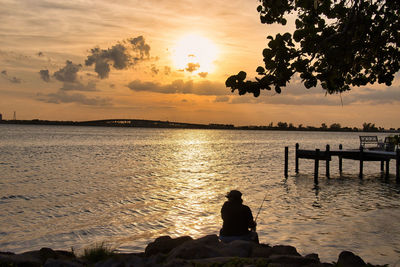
(138, 123)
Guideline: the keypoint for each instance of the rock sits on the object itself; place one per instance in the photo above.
(62, 263)
(205, 247)
(292, 260)
(312, 256)
(19, 260)
(349, 259)
(284, 250)
(261, 251)
(165, 244)
(237, 248)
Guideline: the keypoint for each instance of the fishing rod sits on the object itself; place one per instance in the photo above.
(260, 207)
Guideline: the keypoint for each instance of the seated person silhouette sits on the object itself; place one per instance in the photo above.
(237, 220)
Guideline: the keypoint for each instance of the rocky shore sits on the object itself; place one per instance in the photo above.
(184, 251)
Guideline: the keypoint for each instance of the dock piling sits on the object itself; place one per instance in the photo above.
(397, 165)
(387, 169)
(382, 165)
(340, 160)
(286, 161)
(297, 158)
(361, 162)
(316, 166)
(327, 161)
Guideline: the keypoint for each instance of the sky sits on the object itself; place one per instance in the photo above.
(159, 60)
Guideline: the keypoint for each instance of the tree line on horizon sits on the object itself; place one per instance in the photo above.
(366, 127)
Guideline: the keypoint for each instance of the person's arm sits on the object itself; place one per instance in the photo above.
(251, 223)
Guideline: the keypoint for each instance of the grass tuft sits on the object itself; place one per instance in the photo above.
(97, 253)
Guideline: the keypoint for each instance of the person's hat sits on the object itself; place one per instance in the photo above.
(234, 194)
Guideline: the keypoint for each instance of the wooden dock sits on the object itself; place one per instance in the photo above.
(362, 155)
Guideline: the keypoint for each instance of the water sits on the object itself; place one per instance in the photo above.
(65, 186)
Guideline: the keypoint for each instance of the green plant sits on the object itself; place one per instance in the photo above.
(97, 253)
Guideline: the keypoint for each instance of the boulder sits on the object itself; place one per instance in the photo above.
(349, 259)
(237, 248)
(19, 260)
(261, 251)
(62, 263)
(292, 260)
(284, 250)
(205, 247)
(164, 244)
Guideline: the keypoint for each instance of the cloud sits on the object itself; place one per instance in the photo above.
(167, 70)
(14, 79)
(181, 87)
(140, 45)
(63, 97)
(118, 56)
(220, 99)
(154, 69)
(299, 96)
(45, 75)
(78, 86)
(69, 76)
(68, 73)
(192, 67)
(203, 74)
(102, 58)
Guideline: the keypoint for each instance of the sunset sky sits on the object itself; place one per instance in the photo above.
(158, 60)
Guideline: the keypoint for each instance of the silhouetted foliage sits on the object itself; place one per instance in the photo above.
(339, 43)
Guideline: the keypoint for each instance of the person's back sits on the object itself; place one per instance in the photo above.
(237, 219)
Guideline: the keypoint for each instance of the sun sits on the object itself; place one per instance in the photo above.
(195, 54)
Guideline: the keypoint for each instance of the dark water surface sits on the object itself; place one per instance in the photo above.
(65, 186)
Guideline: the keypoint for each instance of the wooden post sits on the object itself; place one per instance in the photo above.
(316, 166)
(397, 165)
(387, 169)
(327, 154)
(382, 165)
(286, 161)
(297, 158)
(361, 162)
(340, 160)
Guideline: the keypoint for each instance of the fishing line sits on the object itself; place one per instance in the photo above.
(260, 207)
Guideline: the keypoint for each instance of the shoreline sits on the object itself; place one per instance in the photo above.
(183, 251)
(139, 123)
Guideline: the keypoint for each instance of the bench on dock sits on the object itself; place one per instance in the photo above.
(370, 142)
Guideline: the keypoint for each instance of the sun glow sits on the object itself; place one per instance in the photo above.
(195, 54)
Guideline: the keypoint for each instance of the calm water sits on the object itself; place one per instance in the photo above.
(64, 187)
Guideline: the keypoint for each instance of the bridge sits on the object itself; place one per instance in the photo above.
(153, 124)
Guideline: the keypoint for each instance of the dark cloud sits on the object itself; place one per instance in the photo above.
(203, 74)
(154, 69)
(192, 67)
(118, 56)
(167, 70)
(181, 87)
(45, 75)
(63, 97)
(103, 58)
(68, 73)
(139, 45)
